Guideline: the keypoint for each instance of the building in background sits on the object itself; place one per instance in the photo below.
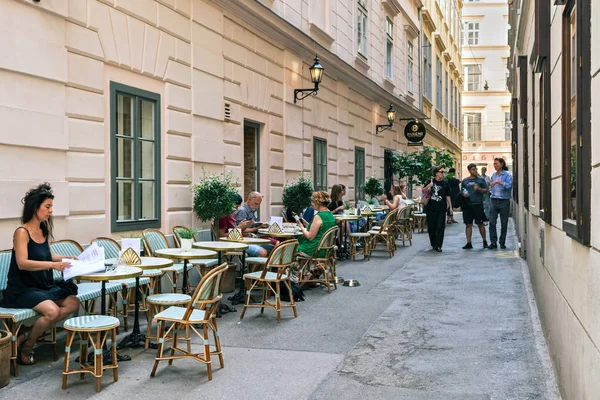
(486, 99)
(554, 65)
(118, 104)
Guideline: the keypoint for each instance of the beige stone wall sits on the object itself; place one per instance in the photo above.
(565, 274)
(59, 57)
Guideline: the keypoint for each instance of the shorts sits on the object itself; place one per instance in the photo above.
(475, 212)
(253, 249)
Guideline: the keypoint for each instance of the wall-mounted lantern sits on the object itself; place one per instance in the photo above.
(391, 116)
(316, 75)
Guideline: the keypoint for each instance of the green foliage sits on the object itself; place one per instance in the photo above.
(297, 194)
(373, 187)
(214, 196)
(347, 205)
(417, 167)
(187, 233)
(132, 235)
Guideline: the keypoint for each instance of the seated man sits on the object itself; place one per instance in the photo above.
(245, 224)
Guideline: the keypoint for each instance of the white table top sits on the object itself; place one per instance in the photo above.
(219, 246)
(179, 254)
(122, 272)
(147, 262)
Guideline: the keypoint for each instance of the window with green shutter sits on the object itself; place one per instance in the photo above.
(320, 164)
(359, 173)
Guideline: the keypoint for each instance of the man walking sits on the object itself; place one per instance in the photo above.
(500, 189)
(486, 196)
(474, 187)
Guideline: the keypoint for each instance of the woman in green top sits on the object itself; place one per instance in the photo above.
(321, 223)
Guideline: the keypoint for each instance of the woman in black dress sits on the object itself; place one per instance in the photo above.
(30, 277)
(436, 208)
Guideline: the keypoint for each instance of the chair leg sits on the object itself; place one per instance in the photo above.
(98, 361)
(159, 351)
(247, 285)
(278, 301)
(125, 306)
(113, 343)
(207, 352)
(217, 342)
(69, 341)
(175, 340)
(292, 301)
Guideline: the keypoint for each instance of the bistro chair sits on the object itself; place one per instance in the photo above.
(201, 311)
(385, 233)
(402, 227)
(321, 262)
(153, 240)
(202, 266)
(275, 271)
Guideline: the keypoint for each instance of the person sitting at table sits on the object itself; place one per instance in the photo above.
(30, 278)
(321, 223)
(336, 205)
(398, 199)
(248, 212)
(228, 223)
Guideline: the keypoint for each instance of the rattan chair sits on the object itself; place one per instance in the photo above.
(402, 226)
(274, 272)
(201, 311)
(153, 240)
(385, 233)
(321, 262)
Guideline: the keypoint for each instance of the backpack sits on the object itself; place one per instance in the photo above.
(297, 292)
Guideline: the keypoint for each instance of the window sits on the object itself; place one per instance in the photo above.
(473, 74)
(427, 70)
(410, 67)
(471, 33)
(359, 174)
(451, 116)
(135, 158)
(576, 115)
(459, 115)
(438, 83)
(320, 164)
(361, 28)
(507, 126)
(446, 102)
(389, 48)
(473, 127)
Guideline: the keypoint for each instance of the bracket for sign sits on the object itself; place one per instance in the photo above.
(410, 144)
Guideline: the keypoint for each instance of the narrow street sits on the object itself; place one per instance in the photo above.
(423, 325)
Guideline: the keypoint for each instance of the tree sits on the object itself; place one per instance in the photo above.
(417, 167)
(373, 187)
(214, 196)
(297, 194)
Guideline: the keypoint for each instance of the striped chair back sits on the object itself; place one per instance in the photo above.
(208, 292)
(64, 247)
(112, 248)
(281, 258)
(5, 256)
(176, 236)
(390, 218)
(154, 240)
(326, 244)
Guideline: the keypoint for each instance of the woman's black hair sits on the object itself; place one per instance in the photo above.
(238, 199)
(32, 202)
(501, 161)
(436, 170)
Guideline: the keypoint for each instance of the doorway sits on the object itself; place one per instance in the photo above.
(251, 158)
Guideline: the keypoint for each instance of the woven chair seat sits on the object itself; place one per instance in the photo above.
(270, 276)
(177, 313)
(151, 273)
(256, 260)
(91, 322)
(360, 234)
(130, 282)
(17, 314)
(92, 290)
(173, 268)
(378, 232)
(419, 215)
(209, 262)
(169, 298)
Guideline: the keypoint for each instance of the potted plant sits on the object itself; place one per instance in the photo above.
(187, 237)
(373, 188)
(297, 194)
(214, 196)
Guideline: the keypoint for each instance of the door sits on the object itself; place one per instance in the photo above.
(251, 158)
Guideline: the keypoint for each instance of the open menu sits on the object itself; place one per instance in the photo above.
(90, 261)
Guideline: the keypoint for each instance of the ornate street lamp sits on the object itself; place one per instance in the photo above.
(391, 115)
(316, 75)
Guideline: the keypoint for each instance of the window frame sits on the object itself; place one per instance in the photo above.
(471, 71)
(319, 166)
(362, 37)
(439, 96)
(428, 73)
(135, 224)
(471, 122)
(410, 66)
(578, 229)
(359, 174)
(474, 30)
(389, 48)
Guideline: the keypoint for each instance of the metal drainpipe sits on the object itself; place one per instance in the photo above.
(421, 58)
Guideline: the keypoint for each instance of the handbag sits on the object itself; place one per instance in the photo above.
(426, 197)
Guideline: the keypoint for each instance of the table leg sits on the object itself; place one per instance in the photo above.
(184, 284)
(136, 338)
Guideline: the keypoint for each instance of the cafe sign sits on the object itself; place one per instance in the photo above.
(415, 132)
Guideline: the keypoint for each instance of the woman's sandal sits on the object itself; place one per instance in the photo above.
(25, 354)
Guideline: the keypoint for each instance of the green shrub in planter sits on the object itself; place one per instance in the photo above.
(373, 187)
(187, 233)
(297, 194)
(214, 196)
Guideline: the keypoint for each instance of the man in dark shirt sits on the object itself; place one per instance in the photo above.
(474, 187)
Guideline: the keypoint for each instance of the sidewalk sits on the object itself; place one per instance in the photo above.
(423, 325)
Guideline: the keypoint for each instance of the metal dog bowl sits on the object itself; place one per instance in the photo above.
(339, 279)
(351, 283)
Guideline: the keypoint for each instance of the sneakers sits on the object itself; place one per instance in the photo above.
(468, 246)
(438, 249)
(485, 245)
(502, 246)
(493, 246)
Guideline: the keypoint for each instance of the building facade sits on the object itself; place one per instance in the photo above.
(119, 104)
(486, 99)
(554, 65)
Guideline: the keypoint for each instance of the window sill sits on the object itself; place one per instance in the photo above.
(319, 33)
(362, 62)
(571, 229)
(135, 225)
(389, 83)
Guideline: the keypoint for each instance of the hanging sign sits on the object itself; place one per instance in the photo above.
(415, 132)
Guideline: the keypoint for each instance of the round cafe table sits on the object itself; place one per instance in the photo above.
(180, 254)
(220, 247)
(279, 235)
(342, 219)
(121, 272)
(136, 338)
(246, 240)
